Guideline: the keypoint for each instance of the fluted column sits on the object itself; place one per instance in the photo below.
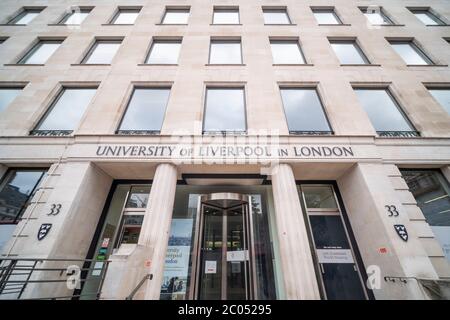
(156, 225)
(297, 265)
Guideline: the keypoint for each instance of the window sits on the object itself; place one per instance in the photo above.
(376, 16)
(276, 16)
(176, 16)
(75, 17)
(304, 111)
(432, 193)
(145, 111)
(66, 111)
(326, 16)
(102, 52)
(286, 52)
(125, 16)
(40, 52)
(410, 53)
(225, 110)
(348, 52)
(25, 16)
(384, 112)
(442, 95)
(427, 17)
(16, 189)
(164, 52)
(226, 16)
(7, 95)
(225, 52)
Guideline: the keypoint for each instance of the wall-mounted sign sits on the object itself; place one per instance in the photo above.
(44, 229)
(401, 231)
(238, 255)
(335, 256)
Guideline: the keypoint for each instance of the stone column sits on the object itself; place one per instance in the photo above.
(156, 225)
(300, 280)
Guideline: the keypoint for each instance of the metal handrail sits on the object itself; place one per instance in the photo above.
(139, 285)
(16, 274)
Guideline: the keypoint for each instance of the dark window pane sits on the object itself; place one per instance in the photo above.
(15, 192)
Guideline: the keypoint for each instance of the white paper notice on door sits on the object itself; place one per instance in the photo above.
(210, 266)
(239, 255)
(335, 256)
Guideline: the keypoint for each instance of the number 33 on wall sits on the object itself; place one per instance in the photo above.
(54, 209)
(392, 210)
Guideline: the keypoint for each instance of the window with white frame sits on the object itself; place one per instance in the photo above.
(348, 52)
(102, 52)
(7, 95)
(145, 111)
(224, 15)
(25, 16)
(225, 52)
(410, 53)
(224, 110)
(442, 96)
(427, 17)
(304, 111)
(276, 16)
(40, 52)
(164, 52)
(75, 16)
(65, 113)
(176, 16)
(286, 52)
(326, 16)
(376, 15)
(384, 112)
(125, 16)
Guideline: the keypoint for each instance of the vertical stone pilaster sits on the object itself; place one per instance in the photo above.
(296, 259)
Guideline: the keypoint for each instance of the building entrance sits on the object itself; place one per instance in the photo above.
(223, 261)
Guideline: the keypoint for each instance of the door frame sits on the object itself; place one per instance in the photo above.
(250, 268)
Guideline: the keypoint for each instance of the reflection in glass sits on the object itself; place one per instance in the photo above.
(131, 228)
(7, 95)
(326, 17)
(67, 110)
(225, 52)
(382, 110)
(76, 17)
(432, 193)
(138, 197)
(443, 97)
(226, 16)
(176, 16)
(286, 52)
(376, 17)
(25, 17)
(103, 52)
(40, 53)
(164, 52)
(146, 109)
(225, 110)
(319, 197)
(275, 16)
(428, 18)
(126, 16)
(410, 53)
(348, 52)
(15, 192)
(303, 110)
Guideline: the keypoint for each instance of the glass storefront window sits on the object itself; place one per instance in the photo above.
(319, 197)
(15, 191)
(138, 197)
(432, 193)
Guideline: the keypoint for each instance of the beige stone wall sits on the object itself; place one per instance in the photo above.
(264, 108)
